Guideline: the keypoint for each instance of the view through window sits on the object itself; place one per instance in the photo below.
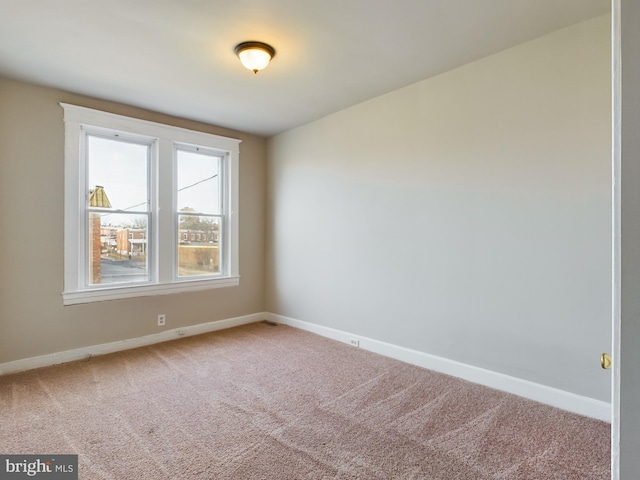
(118, 211)
(199, 212)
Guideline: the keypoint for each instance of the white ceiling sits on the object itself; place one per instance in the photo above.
(176, 56)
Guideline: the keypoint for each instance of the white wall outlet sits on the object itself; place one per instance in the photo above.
(161, 320)
(354, 342)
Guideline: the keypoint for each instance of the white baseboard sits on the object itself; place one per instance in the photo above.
(551, 396)
(84, 352)
(586, 406)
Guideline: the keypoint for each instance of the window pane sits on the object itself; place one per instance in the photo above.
(117, 242)
(198, 182)
(117, 248)
(198, 245)
(121, 169)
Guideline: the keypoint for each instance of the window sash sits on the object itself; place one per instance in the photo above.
(193, 235)
(129, 273)
(86, 279)
(222, 257)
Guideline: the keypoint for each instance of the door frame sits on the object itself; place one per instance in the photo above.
(616, 228)
(625, 381)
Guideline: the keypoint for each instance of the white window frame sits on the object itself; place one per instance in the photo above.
(163, 230)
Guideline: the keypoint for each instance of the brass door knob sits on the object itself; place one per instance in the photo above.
(605, 361)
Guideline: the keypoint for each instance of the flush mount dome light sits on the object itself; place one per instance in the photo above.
(255, 55)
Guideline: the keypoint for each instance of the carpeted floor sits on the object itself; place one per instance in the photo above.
(274, 402)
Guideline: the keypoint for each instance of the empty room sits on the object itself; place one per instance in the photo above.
(302, 240)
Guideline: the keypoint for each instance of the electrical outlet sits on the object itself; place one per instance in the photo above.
(354, 342)
(161, 320)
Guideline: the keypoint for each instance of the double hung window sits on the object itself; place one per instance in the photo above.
(149, 208)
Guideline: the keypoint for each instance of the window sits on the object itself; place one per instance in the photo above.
(199, 208)
(136, 192)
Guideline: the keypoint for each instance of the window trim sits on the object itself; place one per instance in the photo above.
(166, 137)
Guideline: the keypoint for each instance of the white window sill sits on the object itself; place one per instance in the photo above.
(132, 291)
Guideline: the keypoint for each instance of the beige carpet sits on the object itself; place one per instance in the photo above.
(274, 402)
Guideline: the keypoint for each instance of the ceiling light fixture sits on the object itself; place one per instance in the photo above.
(255, 55)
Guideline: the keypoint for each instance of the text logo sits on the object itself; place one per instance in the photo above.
(49, 467)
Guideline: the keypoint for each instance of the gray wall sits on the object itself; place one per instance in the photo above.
(33, 320)
(466, 216)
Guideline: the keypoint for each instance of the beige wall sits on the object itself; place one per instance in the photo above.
(33, 320)
(466, 216)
